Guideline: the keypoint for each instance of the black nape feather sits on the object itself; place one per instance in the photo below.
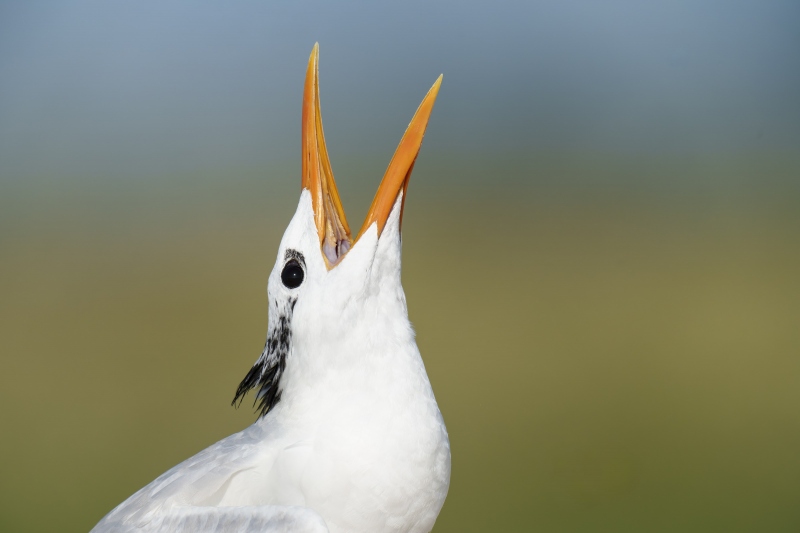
(267, 371)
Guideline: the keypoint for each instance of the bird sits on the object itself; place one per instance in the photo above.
(348, 436)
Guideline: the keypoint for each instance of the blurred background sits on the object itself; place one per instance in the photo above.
(601, 244)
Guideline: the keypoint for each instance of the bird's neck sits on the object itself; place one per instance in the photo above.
(360, 354)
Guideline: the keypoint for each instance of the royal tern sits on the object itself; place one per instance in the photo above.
(349, 437)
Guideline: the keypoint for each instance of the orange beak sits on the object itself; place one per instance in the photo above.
(329, 218)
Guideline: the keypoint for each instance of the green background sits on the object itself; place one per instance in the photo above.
(603, 276)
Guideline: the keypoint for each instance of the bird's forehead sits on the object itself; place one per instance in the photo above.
(301, 233)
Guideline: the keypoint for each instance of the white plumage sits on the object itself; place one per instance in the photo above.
(352, 439)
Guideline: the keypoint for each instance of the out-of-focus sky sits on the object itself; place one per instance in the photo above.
(156, 88)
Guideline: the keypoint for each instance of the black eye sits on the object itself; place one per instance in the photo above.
(292, 274)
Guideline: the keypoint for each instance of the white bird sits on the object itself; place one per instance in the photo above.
(349, 437)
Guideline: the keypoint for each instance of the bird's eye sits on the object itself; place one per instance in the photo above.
(292, 274)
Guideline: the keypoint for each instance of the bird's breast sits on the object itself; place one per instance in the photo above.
(368, 454)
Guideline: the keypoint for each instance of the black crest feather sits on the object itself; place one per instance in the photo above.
(268, 369)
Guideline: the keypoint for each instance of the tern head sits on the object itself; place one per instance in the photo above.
(336, 299)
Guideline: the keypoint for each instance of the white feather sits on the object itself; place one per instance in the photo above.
(356, 443)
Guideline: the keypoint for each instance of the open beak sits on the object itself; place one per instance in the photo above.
(334, 233)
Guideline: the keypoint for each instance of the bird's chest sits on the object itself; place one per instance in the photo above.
(376, 464)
